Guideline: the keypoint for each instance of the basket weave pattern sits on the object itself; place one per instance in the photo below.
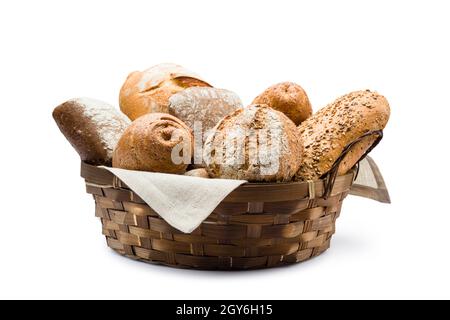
(256, 226)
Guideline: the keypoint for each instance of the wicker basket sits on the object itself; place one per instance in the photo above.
(256, 226)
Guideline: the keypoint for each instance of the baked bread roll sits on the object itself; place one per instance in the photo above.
(289, 98)
(200, 173)
(204, 105)
(93, 128)
(255, 143)
(156, 142)
(149, 91)
(330, 130)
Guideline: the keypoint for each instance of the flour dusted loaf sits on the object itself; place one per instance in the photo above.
(93, 128)
(151, 142)
(255, 143)
(203, 105)
(289, 98)
(149, 91)
(330, 130)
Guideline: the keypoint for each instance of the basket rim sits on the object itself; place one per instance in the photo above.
(247, 192)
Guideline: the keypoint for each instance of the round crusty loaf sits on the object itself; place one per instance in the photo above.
(92, 127)
(203, 105)
(330, 130)
(149, 91)
(255, 143)
(289, 98)
(200, 173)
(150, 142)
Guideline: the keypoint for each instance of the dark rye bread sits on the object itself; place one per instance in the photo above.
(92, 127)
(327, 132)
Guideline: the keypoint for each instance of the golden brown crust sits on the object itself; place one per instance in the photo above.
(330, 130)
(149, 91)
(355, 154)
(148, 143)
(92, 127)
(289, 98)
(273, 156)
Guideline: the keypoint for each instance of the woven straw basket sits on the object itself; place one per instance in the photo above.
(256, 226)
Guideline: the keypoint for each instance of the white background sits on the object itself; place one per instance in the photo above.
(50, 242)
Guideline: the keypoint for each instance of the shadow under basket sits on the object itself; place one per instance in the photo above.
(256, 226)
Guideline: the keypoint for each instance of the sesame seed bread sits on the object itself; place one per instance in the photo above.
(330, 130)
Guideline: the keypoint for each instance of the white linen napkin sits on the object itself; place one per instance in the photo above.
(370, 183)
(182, 201)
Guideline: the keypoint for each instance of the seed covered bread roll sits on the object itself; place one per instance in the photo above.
(156, 142)
(289, 98)
(255, 143)
(149, 91)
(92, 127)
(203, 105)
(329, 131)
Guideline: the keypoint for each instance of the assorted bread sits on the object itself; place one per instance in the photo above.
(168, 110)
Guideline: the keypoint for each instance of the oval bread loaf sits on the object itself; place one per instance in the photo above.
(149, 91)
(255, 143)
(330, 130)
(92, 127)
(149, 144)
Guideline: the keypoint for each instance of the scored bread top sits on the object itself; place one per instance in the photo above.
(270, 151)
(149, 91)
(203, 104)
(148, 145)
(157, 74)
